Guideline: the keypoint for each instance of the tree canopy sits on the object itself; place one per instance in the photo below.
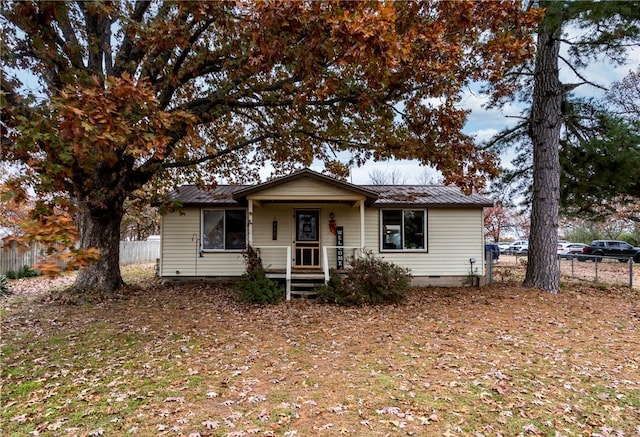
(130, 92)
(599, 162)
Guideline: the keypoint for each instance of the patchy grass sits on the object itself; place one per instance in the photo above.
(188, 359)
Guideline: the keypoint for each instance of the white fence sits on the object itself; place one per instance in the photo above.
(13, 259)
(131, 252)
(134, 252)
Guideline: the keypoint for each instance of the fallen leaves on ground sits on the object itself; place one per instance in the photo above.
(189, 359)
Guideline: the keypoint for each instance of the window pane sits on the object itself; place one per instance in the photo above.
(307, 225)
(213, 230)
(414, 229)
(236, 232)
(391, 233)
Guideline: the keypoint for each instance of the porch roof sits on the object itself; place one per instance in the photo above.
(375, 195)
(368, 195)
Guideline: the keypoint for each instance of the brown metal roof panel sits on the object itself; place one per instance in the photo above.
(388, 195)
(426, 195)
(192, 195)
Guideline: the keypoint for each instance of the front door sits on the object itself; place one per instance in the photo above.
(307, 238)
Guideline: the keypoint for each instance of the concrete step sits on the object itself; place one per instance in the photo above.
(303, 294)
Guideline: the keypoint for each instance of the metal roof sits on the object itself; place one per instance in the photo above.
(221, 195)
(425, 195)
(379, 195)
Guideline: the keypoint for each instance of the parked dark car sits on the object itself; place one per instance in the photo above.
(494, 249)
(610, 248)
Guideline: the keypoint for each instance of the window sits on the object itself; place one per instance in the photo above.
(403, 229)
(307, 225)
(224, 229)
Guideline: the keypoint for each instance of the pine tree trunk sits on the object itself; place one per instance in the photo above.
(100, 228)
(546, 121)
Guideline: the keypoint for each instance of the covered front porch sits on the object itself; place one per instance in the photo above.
(300, 243)
(303, 227)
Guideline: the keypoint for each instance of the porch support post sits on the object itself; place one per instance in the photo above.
(361, 225)
(250, 224)
(325, 264)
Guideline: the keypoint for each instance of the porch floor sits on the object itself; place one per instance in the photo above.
(296, 273)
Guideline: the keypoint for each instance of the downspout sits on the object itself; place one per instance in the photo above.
(160, 259)
(198, 253)
(361, 226)
(198, 239)
(250, 223)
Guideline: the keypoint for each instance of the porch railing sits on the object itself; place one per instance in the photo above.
(287, 268)
(357, 251)
(325, 261)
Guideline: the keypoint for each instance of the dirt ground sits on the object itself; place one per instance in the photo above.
(190, 360)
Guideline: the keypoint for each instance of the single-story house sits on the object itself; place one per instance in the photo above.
(306, 223)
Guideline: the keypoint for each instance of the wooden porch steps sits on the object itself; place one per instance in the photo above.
(303, 282)
(305, 288)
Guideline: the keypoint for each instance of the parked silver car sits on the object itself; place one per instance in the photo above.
(520, 247)
(504, 246)
(570, 250)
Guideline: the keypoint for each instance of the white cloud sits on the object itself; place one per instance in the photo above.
(483, 135)
(482, 118)
(410, 170)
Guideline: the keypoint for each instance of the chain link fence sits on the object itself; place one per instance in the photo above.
(594, 269)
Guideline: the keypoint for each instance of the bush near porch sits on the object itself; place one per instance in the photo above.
(368, 281)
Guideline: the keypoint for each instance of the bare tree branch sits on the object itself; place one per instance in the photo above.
(505, 134)
(577, 73)
(217, 154)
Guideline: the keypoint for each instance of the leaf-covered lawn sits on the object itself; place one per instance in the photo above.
(188, 359)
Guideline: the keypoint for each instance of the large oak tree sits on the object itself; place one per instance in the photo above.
(130, 91)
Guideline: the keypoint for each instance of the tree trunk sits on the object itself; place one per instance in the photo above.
(100, 228)
(546, 121)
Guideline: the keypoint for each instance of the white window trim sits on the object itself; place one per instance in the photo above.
(403, 250)
(224, 234)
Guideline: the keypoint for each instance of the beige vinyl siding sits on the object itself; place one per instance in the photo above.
(263, 216)
(454, 236)
(179, 255)
(307, 189)
(348, 217)
(179, 252)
